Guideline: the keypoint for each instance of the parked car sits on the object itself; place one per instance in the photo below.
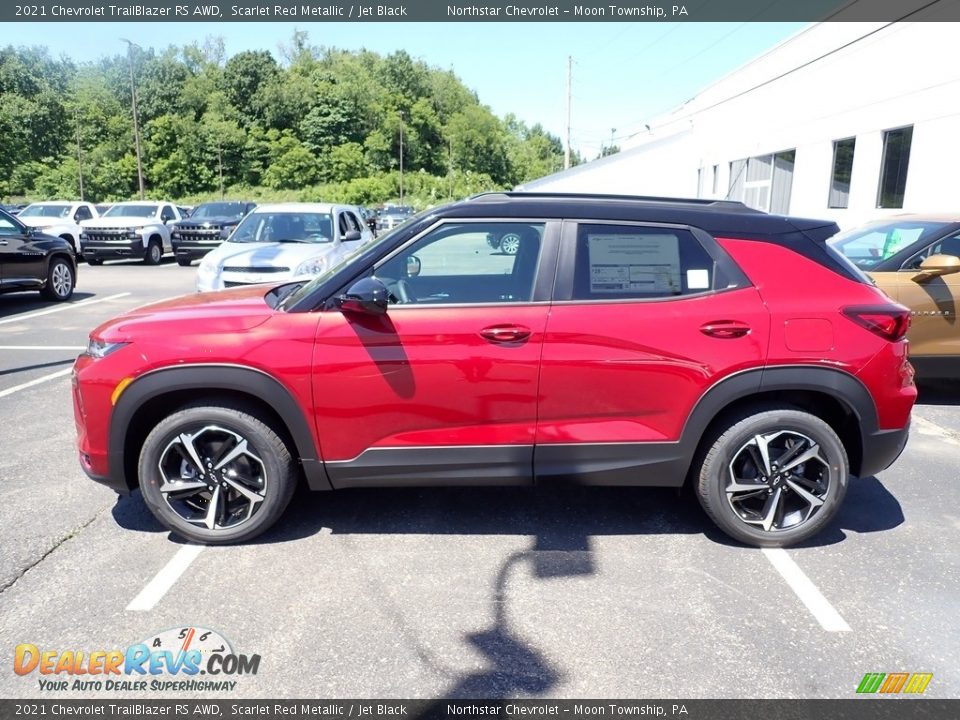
(32, 260)
(279, 242)
(14, 208)
(394, 216)
(137, 229)
(208, 226)
(60, 217)
(101, 208)
(915, 259)
(627, 342)
(370, 218)
(507, 243)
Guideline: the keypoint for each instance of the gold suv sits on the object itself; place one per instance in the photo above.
(915, 259)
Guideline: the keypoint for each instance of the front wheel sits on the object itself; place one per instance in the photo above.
(216, 474)
(154, 253)
(774, 478)
(184, 261)
(61, 279)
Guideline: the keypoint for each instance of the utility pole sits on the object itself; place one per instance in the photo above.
(452, 173)
(401, 158)
(566, 152)
(220, 167)
(136, 119)
(76, 116)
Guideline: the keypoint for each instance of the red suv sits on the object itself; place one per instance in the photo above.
(628, 341)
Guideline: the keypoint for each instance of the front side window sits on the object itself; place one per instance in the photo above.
(462, 264)
(842, 170)
(893, 169)
(167, 214)
(869, 246)
(83, 213)
(7, 225)
(945, 246)
(623, 262)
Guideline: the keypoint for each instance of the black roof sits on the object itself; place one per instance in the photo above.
(714, 216)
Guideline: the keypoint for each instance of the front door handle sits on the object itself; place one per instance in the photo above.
(505, 333)
(725, 329)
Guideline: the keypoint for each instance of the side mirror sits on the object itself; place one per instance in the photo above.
(937, 265)
(413, 266)
(367, 295)
(351, 236)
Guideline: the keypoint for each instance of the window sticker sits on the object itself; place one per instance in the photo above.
(698, 279)
(634, 263)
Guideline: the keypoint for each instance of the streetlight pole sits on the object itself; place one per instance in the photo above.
(401, 158)
(136, 119)
(76, 116)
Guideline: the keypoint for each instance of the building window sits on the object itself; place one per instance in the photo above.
(842, 169)
(893, 169)
(716, 179)
(699, 182)
(763, 182)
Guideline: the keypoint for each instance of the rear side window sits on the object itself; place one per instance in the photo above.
(622, 262)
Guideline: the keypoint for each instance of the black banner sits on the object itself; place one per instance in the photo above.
(79, 11)
(854, 709)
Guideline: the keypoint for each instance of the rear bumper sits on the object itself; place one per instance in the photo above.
(881, 449)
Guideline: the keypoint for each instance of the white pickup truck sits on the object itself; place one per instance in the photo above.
(137, 229)
(60, 218)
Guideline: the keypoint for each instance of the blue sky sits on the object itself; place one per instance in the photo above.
(623, 73)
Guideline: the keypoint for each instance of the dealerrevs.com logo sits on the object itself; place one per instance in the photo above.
(190, 659)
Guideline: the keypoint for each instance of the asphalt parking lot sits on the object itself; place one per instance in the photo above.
(480, 593)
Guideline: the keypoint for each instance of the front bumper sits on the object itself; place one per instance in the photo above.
(112, 248)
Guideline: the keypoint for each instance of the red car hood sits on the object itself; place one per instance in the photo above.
(234, 310)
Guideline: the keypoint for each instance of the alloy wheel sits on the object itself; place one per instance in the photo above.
(778, 481)
(61, 280)
(212, 477)
(510, 243)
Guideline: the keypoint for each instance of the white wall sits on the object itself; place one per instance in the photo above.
(803, 95)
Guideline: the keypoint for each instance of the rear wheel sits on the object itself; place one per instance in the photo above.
(184, 261)
(61, 279)
(774, 478)
(154, 253)
(510, 243)
(216, 474)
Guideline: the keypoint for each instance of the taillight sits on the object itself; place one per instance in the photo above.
(890, 322)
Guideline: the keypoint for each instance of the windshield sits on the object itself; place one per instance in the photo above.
(144, 211)
(866, 247)
(219, 209)
(50, 211)
(357, 255)
(305, 227)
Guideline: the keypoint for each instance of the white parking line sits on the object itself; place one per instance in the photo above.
(37, 381)
(59, 308)
(829, 619)
(41, 347)
(154, 590)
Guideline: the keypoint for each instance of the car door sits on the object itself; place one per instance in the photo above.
(168, 216)
(443, 387)
(21, 264)
(645, 319)
(933, 302)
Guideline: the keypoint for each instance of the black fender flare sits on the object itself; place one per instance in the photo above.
(842, 386)
(213, 377)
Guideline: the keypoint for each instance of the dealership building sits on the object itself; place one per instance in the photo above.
(848, 121)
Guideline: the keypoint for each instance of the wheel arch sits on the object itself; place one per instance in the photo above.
(158, 393)
(837, 397)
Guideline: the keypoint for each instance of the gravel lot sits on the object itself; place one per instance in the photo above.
(467, 592)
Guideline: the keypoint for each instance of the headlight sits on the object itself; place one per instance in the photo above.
(313, 266)
(97, 348)
(83, 236)
(207, 267)
(174, 235)
(134, 232)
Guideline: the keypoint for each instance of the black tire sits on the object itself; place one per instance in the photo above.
(742, 507)
(61, 279)
(154, 253)
(184, 261)
(163, 447)
(94, 261)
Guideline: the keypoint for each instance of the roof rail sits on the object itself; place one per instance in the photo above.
(701, 202)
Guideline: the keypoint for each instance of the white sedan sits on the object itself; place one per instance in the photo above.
(59, 218)
(281, 242)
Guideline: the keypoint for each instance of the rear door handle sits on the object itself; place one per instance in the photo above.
(725, 329)
(505, 333)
